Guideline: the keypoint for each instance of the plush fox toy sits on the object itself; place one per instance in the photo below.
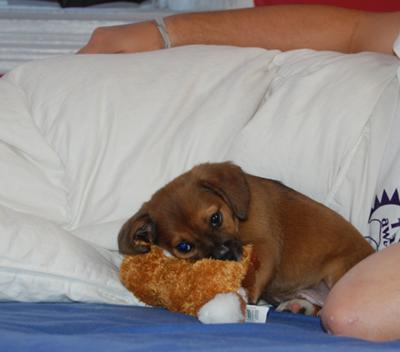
(213, 290)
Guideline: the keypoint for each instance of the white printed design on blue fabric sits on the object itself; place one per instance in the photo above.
(384, 221)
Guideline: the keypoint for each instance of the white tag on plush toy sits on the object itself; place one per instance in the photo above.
(256, 314)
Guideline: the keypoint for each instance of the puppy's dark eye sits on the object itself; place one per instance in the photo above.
(184, 247)
(216, 219)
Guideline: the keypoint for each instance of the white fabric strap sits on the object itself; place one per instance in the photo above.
(163, 31)
(396, 46)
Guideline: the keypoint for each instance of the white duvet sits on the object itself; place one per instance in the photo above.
(84, 140)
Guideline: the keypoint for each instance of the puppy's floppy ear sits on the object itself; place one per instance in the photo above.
(137, 234)
(229, 182)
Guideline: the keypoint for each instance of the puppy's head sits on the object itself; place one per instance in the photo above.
(194, 216)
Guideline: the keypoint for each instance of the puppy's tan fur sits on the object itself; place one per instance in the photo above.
(299, 243)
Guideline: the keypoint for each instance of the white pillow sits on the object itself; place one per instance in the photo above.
(323, 127)
(41, 262)
(124, 125)
(32, 175)
(84, 140)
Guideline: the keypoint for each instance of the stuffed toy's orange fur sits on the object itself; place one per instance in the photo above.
(188, 287)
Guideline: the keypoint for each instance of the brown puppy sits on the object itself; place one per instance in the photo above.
(213, 209)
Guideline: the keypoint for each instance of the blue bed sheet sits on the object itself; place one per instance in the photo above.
(57, 327)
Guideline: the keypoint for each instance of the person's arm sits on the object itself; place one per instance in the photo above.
(365, 302)
(271, 27)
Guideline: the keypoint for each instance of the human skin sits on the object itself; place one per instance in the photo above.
(271, 27)
(365, 302)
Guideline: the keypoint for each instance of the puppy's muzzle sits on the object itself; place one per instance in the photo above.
(229, 250)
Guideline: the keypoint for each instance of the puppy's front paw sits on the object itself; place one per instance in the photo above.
(299, 305)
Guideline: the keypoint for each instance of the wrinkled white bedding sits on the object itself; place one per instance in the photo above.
(84, 140)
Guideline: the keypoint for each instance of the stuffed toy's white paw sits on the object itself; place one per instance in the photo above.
(224, 308)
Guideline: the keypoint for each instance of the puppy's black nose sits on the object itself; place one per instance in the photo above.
(230, 250)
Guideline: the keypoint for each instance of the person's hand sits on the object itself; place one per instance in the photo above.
(128, 38)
